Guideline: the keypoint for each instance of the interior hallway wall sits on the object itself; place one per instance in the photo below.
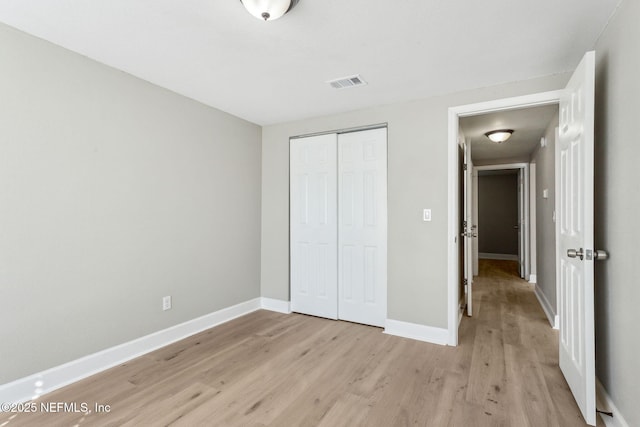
(544, 158)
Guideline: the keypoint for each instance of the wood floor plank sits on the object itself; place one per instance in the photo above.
(350, 410)
(528, 389)
(271, 369)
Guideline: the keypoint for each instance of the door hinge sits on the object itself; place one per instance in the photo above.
(464, 167)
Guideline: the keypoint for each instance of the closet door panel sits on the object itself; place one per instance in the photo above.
(362, 226)
(313, 218)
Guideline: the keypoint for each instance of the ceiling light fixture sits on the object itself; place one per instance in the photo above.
(499, 136)
(268, 9)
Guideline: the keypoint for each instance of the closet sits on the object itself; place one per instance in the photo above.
(338, 225)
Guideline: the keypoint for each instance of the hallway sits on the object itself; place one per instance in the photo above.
(514, 366)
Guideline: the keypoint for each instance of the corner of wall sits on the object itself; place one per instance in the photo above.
(604, 403)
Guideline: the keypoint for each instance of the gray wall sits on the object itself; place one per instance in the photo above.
(417, 179)
(498, 213)
(114, 193)
(544, 158)
(617, 204)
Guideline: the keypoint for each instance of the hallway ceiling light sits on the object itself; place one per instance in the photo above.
(499, 136)
(268, 9)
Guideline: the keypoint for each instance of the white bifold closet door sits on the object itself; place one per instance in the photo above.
(339, 226)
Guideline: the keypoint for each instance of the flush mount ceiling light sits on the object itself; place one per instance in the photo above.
(268, 9)
(499, 136)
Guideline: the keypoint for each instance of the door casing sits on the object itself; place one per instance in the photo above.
(454, 113)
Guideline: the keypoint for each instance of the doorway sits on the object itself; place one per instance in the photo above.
(574, 226)
(499, 230)
(455, 116)
(501, 209)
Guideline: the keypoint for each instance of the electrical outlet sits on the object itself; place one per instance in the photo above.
(166, 303)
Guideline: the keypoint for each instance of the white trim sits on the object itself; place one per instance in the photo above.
(532, 100)
(418, 332)
(500, 167)
(505, 257)
(453, 261)
(276, 305)
(606, 404)
(547, 308)
(531, 224)
(533, 279)
(33, 386)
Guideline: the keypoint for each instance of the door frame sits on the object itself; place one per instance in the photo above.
(454, 114)
(523, 199)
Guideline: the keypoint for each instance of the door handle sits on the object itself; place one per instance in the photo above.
(572, 253)
(597, 255)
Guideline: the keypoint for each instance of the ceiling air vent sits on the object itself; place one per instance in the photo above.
(345, 82)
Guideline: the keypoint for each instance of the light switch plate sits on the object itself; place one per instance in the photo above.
(426, 215)
(545, 193)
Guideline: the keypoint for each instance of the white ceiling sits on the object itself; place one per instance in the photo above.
(270, 72)
(528, 124)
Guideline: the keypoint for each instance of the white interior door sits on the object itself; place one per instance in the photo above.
(469, 233)
(362, 230)
(574, 205)
(313, 217)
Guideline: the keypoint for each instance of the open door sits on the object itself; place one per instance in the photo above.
(574, 205)
(469, 232)
(519, 227)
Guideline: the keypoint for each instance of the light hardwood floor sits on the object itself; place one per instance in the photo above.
(270, 369)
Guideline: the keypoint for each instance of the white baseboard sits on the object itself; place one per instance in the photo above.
(35, 385)
(417, 332)
(604, 403)
(533, 278)
(548, 310)
(276, 305)
(506, 257)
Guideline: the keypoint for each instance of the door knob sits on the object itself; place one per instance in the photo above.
(600, 255)
(572, 253)
(596, 255)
